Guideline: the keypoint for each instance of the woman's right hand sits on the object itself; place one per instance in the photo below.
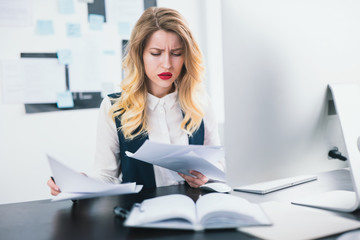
(54, 189)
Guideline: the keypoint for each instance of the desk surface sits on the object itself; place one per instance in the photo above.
(94, 218)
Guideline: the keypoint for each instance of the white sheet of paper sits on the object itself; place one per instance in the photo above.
(32, 80)
(122, 189)
(96, 59)
(123, 11)
(297, 222)
(75, 185)
(16, 13)
(182, 158)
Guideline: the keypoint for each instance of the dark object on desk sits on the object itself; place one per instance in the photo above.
(121, 212)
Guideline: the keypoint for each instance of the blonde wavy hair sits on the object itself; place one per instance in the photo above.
(130, 108)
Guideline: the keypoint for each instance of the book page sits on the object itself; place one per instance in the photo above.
(175, 206)
(218, 210)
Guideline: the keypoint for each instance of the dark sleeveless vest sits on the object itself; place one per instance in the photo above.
(134, 170)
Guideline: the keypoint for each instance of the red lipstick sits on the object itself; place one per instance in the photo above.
(165, 75)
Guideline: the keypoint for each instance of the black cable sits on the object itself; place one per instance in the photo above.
(336, 154)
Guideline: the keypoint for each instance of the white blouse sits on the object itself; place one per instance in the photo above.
(164, 119)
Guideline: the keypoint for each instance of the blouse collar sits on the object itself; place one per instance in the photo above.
(167, 101)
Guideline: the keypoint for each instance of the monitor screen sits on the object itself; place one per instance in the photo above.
(279, 57)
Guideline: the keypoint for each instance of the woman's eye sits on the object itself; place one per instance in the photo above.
(155, 54)
(176, 54)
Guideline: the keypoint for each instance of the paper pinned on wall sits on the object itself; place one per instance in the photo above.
(96, 59)
(65, 100)
(123, 11)
(32, 80)
(15, 13)
(66, 6)
(96, 22)
(64, 56)
(44, 27)
(73, 30)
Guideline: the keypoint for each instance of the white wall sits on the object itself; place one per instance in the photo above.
(70, 135)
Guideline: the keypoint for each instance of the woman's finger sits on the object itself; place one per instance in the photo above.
(199, 175)
(196, 181)
(54, 189)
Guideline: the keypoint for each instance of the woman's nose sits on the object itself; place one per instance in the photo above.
(166, 61)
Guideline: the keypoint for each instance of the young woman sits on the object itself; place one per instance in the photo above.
(161, 99)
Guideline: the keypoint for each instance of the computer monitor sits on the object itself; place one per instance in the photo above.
(279, 57)
(347, 101)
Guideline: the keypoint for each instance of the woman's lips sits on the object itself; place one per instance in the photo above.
(165, 75)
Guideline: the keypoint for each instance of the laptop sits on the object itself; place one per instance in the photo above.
(274, 185)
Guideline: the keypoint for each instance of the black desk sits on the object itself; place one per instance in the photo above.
(94, 218)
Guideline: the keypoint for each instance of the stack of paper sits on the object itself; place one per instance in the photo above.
(182, 158)
(74, 185)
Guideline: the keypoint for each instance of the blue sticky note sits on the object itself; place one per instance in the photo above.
(64, 56)
(96, 21)
(73, 30)
(44, 27)
(124, 28)
(109, 52)
(66, 6)
(65, 100)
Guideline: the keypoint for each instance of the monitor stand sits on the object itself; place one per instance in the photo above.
(347, 104)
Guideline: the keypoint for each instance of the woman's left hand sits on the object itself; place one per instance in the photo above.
(198, 180)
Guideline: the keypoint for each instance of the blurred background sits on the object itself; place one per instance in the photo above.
(88, 37)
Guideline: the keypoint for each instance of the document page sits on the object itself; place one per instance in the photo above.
(74, 185)
(182, 158)
(217, 210)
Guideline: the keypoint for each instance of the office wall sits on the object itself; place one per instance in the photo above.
(70, 135)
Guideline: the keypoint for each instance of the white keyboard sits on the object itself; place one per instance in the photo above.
(274, 185)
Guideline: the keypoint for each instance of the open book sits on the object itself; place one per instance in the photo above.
(211, 211)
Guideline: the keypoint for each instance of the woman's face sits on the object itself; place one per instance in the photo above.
(163, 60)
